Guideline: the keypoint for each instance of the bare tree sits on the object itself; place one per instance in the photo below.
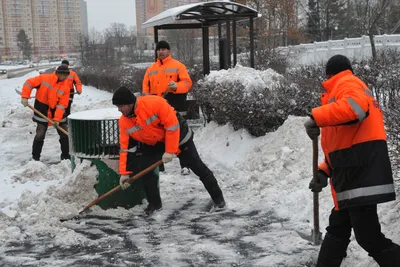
(187, 43)
(119, 32)
(93, 46)
(82, 43)
(370, 12)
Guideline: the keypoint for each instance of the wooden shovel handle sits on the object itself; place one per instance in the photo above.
(45, 117)
(115, 189)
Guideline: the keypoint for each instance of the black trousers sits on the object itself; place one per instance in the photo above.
(147, 155)
(367, 230)
(140, 161)
(38, 141)
(190, 158)
(71, 99)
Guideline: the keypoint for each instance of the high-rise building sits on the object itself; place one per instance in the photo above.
(51, 25)
(146, 9)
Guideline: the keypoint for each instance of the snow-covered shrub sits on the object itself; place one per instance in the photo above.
(259, 101)
(382, 76)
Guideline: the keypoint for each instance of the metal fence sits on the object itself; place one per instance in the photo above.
(354, 48)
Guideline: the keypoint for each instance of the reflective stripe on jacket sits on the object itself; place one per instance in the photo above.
(353, 139)
(154, 121)
(160, 73)
(73, 79)
(50, 95)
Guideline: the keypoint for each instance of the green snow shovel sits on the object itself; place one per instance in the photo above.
(115, 189)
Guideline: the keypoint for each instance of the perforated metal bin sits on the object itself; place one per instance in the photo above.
(94, 136)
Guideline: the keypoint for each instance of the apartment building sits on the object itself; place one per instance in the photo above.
(51, 25)
(146, 9)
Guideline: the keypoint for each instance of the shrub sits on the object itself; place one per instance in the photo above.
(110, 78)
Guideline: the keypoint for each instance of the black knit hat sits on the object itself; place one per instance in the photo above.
(62, 69)
(336, 64)
(65, 62)
(162, 44)
(123, 96)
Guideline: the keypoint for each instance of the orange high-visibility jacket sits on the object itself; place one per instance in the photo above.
(72, 80)
(160, 73)
(353, 139)
(154, 121)
(50, 95)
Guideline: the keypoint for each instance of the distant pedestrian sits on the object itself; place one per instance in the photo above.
(73, 81)
(168, 78)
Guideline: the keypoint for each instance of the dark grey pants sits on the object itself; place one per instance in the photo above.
(38, 141)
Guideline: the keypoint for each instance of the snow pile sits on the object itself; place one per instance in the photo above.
(36, 214)
(250, 78)
(36, 171)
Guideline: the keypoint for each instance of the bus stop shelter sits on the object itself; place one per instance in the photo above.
(202, 16)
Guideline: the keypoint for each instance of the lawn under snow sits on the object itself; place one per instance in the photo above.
(264, 181)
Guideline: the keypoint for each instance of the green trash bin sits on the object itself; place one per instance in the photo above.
(94, 135)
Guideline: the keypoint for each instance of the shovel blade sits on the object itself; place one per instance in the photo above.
(314, 237)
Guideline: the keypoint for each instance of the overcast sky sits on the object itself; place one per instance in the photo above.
(101, 13)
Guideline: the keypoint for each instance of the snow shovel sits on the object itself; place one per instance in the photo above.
(115, 189)
(44, 117)
(316, 235)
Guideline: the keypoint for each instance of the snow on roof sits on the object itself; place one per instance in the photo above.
(170, 16)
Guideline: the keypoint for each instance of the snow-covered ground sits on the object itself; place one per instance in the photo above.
(264, 180)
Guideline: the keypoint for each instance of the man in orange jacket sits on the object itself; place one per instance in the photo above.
(72, 81)
(52, 96)
(353, 139)
(151, 130)
(168, 78)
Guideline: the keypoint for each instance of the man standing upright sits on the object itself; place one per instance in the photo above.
(51, 99)
(72, 81)
(168, 78)
(353, 139)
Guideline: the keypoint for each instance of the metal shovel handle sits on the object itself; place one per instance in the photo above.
(316, 235)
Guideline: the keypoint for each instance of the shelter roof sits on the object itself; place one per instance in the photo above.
(207, 13)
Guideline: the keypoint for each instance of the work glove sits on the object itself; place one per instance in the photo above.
(24, 101)
(167, 157)
(322, 182)
(56, 124)
(122, 182)
(78, 92)
(172, 86)
(312, 128)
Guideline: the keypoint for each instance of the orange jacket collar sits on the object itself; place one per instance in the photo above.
(330, 83)
(165, 59)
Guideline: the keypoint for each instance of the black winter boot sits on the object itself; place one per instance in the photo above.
(332, 252)
(151, 208)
